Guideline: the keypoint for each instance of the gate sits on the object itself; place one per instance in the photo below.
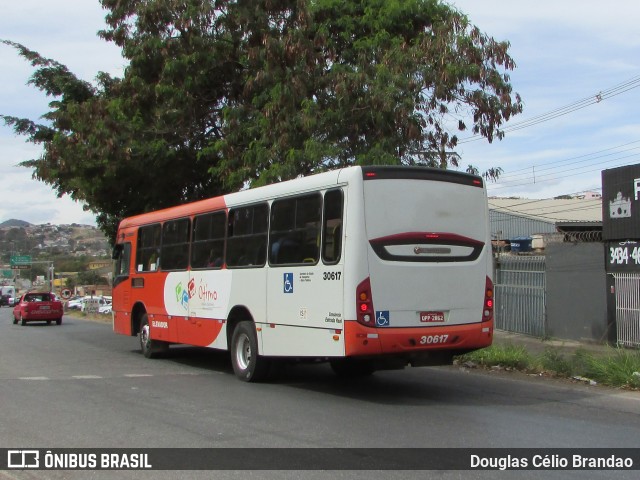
(627, 290)
(520, 283)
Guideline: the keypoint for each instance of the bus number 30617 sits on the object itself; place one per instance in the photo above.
(433, 339)
(331, 275)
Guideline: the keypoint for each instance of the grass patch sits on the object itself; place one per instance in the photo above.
(508, 356)
(618, 368)
(553, 361)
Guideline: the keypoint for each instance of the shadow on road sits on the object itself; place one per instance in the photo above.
(421, 386)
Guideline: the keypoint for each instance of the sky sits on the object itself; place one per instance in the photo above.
(578, 73)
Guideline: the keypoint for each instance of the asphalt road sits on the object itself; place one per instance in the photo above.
(78, 385)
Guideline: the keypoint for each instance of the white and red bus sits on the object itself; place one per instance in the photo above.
(366, 267)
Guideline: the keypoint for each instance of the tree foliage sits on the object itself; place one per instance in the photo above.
(221, 94)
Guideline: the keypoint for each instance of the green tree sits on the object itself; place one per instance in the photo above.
(220, 94)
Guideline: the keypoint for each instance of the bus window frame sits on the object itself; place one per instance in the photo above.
(164, 245)
(283, 234)
(208, 241)
(324, 227)
(140, 248)
(231, 239)
(120, 252)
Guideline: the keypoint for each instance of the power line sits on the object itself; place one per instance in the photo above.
(567, 109)
(541, 199)
(569, 161)
(548, 215)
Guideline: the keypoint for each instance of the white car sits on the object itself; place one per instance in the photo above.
(102, 301)
(75, 304)
(105, 309)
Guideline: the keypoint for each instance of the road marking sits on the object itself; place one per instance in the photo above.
(125, 375)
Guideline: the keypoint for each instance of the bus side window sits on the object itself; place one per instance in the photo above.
(147, 254)
(294, 233)
(207, 249)
(175, 244)
(247, 236)
(332, 227)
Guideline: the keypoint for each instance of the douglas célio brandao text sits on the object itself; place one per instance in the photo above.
(551, 462)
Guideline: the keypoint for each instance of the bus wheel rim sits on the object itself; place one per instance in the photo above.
(144, 336)
(243, 351)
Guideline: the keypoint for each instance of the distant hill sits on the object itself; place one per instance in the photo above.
(14, 223)
(49, 239)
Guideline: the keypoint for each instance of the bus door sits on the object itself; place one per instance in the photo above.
(305, 277)
(122, 288)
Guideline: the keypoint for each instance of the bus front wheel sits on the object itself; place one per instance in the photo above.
(248, 365)
(150, 348)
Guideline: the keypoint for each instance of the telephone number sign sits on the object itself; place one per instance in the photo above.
(623, 256)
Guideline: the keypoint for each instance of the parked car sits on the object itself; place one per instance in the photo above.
(105, 308)
(99, 300)
(75, 303)
(38, 306)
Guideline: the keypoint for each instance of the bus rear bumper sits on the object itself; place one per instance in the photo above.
(412, 342)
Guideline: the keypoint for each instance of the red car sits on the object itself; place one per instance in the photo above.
(35, 306)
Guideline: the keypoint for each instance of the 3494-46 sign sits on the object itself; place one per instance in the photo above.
(623, 256)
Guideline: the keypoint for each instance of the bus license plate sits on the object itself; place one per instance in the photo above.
(430, 317)
(45, 307)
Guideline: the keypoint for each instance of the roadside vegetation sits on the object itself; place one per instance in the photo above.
(617, 367)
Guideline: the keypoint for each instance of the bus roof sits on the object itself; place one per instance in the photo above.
(300, 185)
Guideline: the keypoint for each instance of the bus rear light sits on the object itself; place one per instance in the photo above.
(364, 304)
(487, 313)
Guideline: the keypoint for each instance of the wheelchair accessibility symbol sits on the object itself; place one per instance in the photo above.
(382, 318)
(288, 282)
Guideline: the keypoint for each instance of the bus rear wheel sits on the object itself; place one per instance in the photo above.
(247, 363)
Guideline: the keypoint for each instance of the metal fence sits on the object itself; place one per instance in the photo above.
(627, 288)
(520, 286)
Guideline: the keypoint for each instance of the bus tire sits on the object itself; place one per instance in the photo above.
(351, 368)
(248, 364)
(149, 348)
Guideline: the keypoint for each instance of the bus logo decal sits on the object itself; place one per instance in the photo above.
(288, 282)
(182, 296)
(382, 318)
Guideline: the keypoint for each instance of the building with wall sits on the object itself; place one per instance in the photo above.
(511, 218)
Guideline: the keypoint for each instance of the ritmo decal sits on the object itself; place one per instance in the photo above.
(206, 294)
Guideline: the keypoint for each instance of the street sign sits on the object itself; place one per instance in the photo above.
(21, 261)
